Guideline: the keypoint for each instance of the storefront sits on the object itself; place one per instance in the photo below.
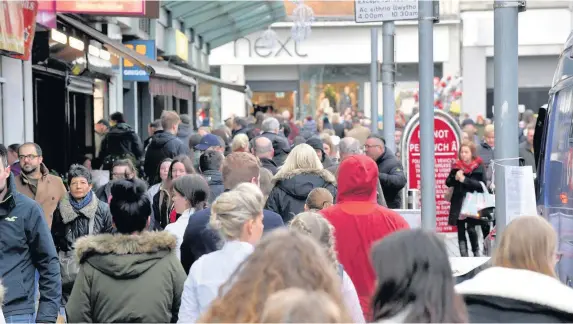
(330, 70)
(542, 33)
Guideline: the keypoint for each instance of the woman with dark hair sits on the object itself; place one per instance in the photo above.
(160, 187)
(163, 211)
(190, 194)
(79, 213)
(133, 276)
(418, 286)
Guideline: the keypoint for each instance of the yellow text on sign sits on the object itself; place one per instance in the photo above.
(140, 49)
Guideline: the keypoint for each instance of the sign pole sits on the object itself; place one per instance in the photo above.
(388, 71)
(374, 79)
(426, 76)
(505, 100)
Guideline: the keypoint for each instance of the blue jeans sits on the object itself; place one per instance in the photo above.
(27, 318)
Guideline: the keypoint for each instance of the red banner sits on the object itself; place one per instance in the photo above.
(30, 9)
(446, 145)
(12, 27)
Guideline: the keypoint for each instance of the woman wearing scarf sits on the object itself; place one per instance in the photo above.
(467, 173)
(79, 213)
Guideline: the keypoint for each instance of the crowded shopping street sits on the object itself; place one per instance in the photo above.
(293, 161)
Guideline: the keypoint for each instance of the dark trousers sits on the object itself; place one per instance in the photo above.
(468, 225)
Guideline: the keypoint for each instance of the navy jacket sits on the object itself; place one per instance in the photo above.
(26, 245)
(200, 239)
(215, 181)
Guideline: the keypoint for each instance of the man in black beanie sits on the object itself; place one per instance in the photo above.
(318, 146)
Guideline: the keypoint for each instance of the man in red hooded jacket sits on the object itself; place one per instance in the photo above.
(359, 221)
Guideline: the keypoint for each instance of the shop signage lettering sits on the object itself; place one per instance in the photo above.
(260, 50)
(132, 72)
(446, 145)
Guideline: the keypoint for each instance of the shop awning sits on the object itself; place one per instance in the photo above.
(209, 79)
(154, 68)
(221, 22)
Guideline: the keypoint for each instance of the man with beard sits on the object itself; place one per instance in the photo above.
(36, 182)
(27, 247)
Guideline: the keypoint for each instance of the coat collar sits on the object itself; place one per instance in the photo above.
(323, 173)
(69, 214)
(43, 170)
(521, 285)
(121, 244)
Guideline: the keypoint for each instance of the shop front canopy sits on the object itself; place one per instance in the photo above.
(221, 22)
(166, 80)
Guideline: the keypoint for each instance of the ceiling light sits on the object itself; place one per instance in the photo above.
(58, 36)
(76, 43)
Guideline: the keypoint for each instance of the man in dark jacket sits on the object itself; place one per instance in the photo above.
(210, 164)
(270, 128)
(151, 129)
(185, 128)
(240, 126)
(390, 170)
(164, 144)
(199, 238)
(26, 246)
(263, 149)
(120, 142)
(526, 149)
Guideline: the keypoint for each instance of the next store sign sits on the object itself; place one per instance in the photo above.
(132, 72)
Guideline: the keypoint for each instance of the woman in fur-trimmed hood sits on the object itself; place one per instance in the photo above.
(133, 276)
(301, 173)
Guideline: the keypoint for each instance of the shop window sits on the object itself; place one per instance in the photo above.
(209, 104)
(158, 106)
(280, 101)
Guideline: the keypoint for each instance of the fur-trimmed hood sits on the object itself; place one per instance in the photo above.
(521, 285)
(299, 183)
(1, 294)
(69, 214)
(125, 255)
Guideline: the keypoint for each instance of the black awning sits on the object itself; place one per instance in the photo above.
(153, 67)
(210, 79)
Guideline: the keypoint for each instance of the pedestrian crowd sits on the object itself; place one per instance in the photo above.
(243, 224)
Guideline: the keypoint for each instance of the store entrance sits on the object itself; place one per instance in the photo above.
(280, 101)
(63, 122)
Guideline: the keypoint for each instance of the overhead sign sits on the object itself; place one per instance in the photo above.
(366, 11)
(30, 9)
(284, 48)
(119, 7)
(181, 45)
(132, 72)
(446, 146)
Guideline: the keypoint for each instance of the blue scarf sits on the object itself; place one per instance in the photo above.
(79, 205)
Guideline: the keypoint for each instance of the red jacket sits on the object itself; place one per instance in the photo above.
(359, 222)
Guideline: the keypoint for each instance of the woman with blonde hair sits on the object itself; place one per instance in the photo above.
(240, 143)
(300, 174)
(316, 226)
(282, 259)
(522, 286)
(295, 305)
(238, 215)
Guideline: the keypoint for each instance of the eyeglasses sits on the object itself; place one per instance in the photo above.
(27, 157)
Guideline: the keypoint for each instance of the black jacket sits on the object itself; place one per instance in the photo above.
(504, 295)
(392, 178)
(120, 141)
(215, 181)
(69, 224)
(26, 246)
(200, 238)
(338, 130)
(161, 205)
(280, 145)
(269, 165)
(486, 153)
(288, 196)
(163, 145)
(471, 183)
(104, 192)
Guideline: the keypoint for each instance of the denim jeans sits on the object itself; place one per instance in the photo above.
(26, 318)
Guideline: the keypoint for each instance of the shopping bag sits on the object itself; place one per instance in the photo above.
(474, 202)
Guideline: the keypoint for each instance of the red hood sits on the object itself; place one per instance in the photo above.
(359, 181)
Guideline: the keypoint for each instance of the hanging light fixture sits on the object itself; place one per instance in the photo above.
(269, 39)
(303, 17)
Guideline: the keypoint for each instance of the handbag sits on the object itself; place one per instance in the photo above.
(474, 202)
(69, 267)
